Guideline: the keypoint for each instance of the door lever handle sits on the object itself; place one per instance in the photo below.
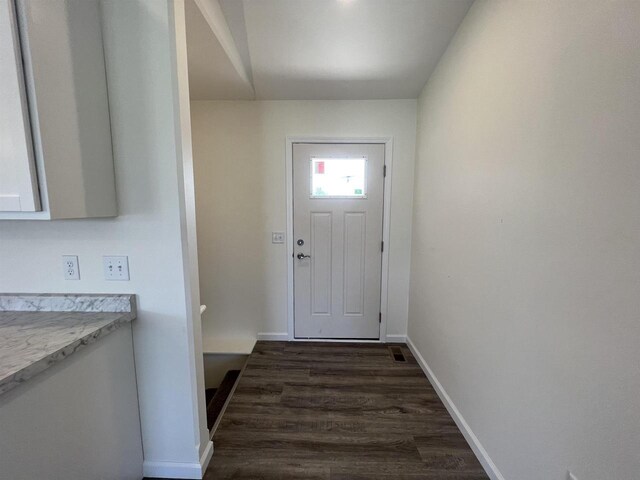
(302, 255)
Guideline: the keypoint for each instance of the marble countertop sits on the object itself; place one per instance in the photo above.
(35, 334)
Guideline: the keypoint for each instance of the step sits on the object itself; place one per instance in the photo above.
(228, 345)
(209, 393)
(219, 399)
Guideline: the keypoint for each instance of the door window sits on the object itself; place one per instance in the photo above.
(339, 177)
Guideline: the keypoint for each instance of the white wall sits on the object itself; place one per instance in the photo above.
(239, 152)
(525, 261)
(142, 93)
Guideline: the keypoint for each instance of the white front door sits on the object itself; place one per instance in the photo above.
(337, 234)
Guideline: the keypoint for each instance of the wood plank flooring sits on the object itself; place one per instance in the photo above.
(337, 411)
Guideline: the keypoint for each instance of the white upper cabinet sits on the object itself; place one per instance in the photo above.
(56, 159)
(18, 181)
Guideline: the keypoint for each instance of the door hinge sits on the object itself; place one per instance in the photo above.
(380, 318)
(382, 246)
(384, 171)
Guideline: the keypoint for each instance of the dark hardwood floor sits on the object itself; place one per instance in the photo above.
(337, 411)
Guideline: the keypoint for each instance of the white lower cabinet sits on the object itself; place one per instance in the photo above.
(78, 420)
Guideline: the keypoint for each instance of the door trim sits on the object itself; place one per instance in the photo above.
(386, 222)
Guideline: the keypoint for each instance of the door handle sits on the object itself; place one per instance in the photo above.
(302, 256)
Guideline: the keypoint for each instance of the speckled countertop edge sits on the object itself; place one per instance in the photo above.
(66, 302)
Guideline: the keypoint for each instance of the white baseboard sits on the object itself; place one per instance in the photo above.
(177, 469)
(471, 438)
(279, 337)
(206, 456)
(396, 339)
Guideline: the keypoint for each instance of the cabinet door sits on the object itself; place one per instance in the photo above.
(18, 182)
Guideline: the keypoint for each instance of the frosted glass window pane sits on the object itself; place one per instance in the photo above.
(338, 177)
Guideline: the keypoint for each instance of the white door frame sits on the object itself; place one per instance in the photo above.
(386, 222)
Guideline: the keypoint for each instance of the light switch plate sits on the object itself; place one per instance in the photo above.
(116, 267)
(71, 268)
(277, 237)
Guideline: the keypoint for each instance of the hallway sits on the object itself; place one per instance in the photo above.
(337, 411)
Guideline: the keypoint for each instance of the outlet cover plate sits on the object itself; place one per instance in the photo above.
(277, 237)
(71, 268)
(116, 267)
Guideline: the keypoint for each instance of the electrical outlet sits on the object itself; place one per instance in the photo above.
(277, 237)
(70, 266)
(571, 476)
(116, 267)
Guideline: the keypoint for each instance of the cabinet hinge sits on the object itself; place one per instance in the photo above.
(384, 171)
(380, 318)
(382, 246)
